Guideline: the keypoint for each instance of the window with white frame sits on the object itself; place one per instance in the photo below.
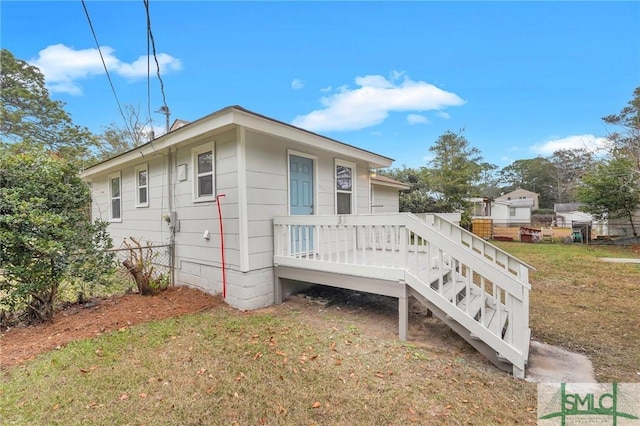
(142, 186)
(115, 195)
(203, 173)
(345, 187)
(512, 211)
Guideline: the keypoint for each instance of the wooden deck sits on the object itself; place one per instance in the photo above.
(477, 289)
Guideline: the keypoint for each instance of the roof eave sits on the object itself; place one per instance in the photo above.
(225, 118)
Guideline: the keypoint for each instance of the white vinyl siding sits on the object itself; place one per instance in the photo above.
(384, 199)
(142, 185)
(204, 182)
(345, 184)
(197, 217)
(115, 197)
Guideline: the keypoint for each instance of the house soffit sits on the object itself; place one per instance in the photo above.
(226, 119)
(273, 127)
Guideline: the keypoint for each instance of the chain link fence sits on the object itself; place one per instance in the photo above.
(157, 258)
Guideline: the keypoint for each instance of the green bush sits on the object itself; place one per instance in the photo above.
(46, 234)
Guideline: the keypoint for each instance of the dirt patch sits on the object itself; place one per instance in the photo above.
(323, 307)
(97, 317)
(375, 315)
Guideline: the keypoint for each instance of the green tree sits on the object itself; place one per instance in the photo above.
(418, 198)
(489, 185)
(570, 165)
(116, 139)
(46, 234)
(611, 190)
(30, 119)
(626, 140)
(456, 170)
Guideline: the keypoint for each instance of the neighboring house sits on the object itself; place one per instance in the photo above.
(504, 212)
(177, 124)
(521, 194)
(568, 213)
(385, 194)
(300, 207)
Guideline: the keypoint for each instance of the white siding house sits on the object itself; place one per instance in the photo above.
(521, 194)
(504, 211)
(299, 207)
(257, 168)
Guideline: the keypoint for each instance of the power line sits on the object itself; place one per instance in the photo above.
(164, 107)
(149, 78)
(113, 89)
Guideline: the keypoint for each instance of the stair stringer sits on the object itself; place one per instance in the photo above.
(478, 345)
(489, 344)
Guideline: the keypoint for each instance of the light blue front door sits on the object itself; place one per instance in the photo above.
(301, 200)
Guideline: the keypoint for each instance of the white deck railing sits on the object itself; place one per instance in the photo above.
(424, 253)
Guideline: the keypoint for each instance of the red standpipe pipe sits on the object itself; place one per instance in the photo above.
(224, 272)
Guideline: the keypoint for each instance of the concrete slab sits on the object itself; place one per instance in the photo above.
(619, 260)
(552, 364)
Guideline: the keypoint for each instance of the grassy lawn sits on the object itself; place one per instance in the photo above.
(226, 367)
(586, 305)
(275, 367)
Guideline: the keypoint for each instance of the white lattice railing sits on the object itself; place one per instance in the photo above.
(426, 253)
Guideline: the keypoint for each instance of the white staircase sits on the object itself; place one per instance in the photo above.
(478, 290)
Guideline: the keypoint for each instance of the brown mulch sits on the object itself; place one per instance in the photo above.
(98, 317)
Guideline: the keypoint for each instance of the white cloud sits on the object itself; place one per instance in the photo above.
(589, 142)
(372, 102)
(138, 68)
(444, 115)
(417, 119)
(428, 157)
(157, 131)
(63, 66)
(297, 84)
(326, 89)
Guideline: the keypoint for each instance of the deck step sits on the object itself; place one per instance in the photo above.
(492, 322)
(474, 341)
(475, 303)
(451, 289)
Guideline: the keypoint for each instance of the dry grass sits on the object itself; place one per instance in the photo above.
(278, 367)
(225, 367)
(586, 305)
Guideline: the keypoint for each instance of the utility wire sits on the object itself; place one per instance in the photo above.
(149, 76)
(113, 89)
(155, 57)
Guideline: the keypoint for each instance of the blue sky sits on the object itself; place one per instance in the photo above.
(520, 78)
